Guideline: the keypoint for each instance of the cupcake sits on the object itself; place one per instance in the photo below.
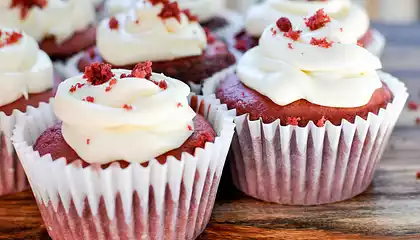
(162, 33)
(353, 19)
(313, 113)
(129, 156)
(27, 78)
(62, 28)
(212, 14)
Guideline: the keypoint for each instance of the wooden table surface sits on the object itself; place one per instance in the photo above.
(390, 209)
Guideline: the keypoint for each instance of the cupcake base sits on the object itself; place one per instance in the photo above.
(311, 165)
(181, 219)
(80, 41)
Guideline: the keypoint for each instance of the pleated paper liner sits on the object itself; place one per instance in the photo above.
(311, 165)
(169, 201)
(12, 175)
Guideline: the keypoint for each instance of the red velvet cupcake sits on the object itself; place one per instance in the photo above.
(313, 114)
(62, 28)
(128, 153)
(353, 18)
(26, 81)
(161, 32)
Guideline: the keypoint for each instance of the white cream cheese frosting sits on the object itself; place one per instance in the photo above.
(203, 9)
(352, 17)
(143, 35)
(58, 18)
(136, 121)
(24, 68)
(324, 66)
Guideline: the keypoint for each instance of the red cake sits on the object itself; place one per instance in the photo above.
(188, 69)
(237, 96)
(52, 142)
(80, 41)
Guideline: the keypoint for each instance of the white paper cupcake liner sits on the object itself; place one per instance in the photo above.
(311, 165)
(69, 69)
(169, 201)
(12, 175)
(377, 45)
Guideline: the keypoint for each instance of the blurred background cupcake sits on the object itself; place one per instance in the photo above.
(62, 28)
(163, 33)
(26, 81)
(142, 163)
(353, 18)
(313, 114)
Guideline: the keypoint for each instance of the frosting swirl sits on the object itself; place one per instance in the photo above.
(126, 118)
(150, 32)
(325, 66)
(350, 16)
(57, 18)
(24, 67)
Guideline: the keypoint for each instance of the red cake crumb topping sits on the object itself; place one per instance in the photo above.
(88, 141)
(273, 31)
(10, 39)
(142, 70)
(413, 106)
(111, 83)
(294, 121)
(321, 122)
(318, 20)
(341, 29)
(128, 107)
(179, 105)
(26, 5)
(113, 23)
(155, 2)
(321, 42)
(190, 128)
(290, 45)
(73, 88)
(170, 10)
(163, 84)
(98, 73)
(294, 35)
(89, 99)
(360, 43)
(284, 24)
(190, 16)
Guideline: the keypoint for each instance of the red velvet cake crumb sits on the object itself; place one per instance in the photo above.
(90, 99)
(179, 105)
(321, 42)
(284, 24)
(321, 122)
(155, 2)
(210, 36)
(318, 20)
(73, 88)
(163, 84)
(170, 10)
(290, 45)
(294, 35)
(26, 5)
(98, 73)
(10, 39)
(294, 121)
(413, 106)
(142, 70)
(113, 23)
(128, 107)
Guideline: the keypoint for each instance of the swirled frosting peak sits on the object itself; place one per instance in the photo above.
(24, 68)
(111, 115)
(154, 30)
(351, 17)
(313, 59)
